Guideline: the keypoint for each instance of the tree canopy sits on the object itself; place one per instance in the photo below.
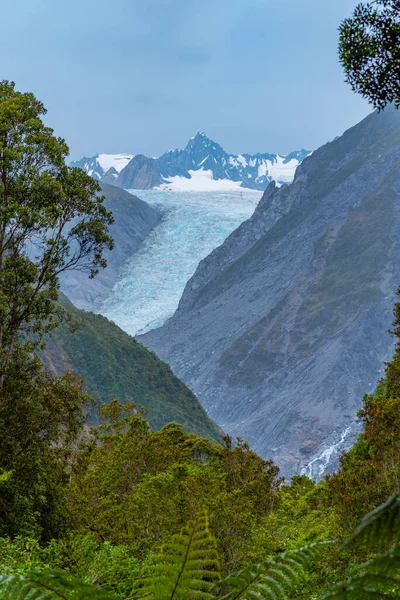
(51, 220)
(369, 50)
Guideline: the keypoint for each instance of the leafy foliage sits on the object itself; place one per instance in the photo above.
(115, 365)
(380, 576)
(51, 221)
(369, 51)
(41, 420)
(186, 567)
(48, 586)
(381, 526)
(273, 578)
(131, 473)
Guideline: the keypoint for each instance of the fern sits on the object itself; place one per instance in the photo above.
(48, 585)
(379, 577)
(186, 567)
(379, 527)
(272, 578)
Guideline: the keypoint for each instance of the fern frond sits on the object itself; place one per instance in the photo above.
(379, 527)
(377, 578)
(272, 578)
(48, 585)
(366, 585)
(186, 567)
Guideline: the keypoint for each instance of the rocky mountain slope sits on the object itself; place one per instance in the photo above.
(201, 156)
(284, 327)
(133, 221)
(114, 365)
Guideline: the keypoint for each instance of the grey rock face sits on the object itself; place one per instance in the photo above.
(133, 221)
(110, 176)
(283, 329)
(141, 173)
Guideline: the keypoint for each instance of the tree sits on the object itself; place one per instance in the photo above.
(41, 423)
(131, 473)
(51, 221)
(369, 50)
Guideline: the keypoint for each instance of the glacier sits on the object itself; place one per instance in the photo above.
(193, 225)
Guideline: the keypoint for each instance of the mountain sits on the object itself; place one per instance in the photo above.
(283, 328)
(101, 164)
(141, 173)
(250, 171)
(114, 365)
(133, 221)
(97, 166)
(202, 164)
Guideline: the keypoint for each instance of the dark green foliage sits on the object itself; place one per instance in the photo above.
(186, 567)
(379, 527)
(115, 365)
(51, 221)
(48, 586)
(137, 487)
(369, 51)
(41, 419)
(274, 578)
(380, 576)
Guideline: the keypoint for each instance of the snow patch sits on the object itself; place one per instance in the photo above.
(280, 171)
(118, 161)
(200, 180)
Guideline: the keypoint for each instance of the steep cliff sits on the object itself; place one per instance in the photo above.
(284, 327)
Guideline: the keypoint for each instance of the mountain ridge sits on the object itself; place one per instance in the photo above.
(202, 156)
(281, 330)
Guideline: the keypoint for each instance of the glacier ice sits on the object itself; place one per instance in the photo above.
(152, 282)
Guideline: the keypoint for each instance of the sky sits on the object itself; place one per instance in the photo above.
(142, 76)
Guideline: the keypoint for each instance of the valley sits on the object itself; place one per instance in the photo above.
(152, 281)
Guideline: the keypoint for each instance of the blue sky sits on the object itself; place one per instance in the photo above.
(145, 75)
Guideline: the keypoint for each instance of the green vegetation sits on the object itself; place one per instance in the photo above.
(51, 221)
(114, 365)
(94, 513)
(104, 509)
(369, 51)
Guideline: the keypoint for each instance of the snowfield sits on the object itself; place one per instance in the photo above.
(200, 181)
(118, 161)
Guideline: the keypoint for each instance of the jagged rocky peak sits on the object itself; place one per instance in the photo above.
(110, 176)
(283, 329)
(203, 161)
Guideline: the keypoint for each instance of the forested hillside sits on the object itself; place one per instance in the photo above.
(114, 365)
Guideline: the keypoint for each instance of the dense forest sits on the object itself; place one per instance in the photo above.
(121, 509)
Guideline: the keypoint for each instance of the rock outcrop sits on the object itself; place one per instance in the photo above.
(141, 173)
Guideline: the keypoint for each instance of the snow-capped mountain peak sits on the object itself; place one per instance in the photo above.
(97, 166)
(213, 168)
